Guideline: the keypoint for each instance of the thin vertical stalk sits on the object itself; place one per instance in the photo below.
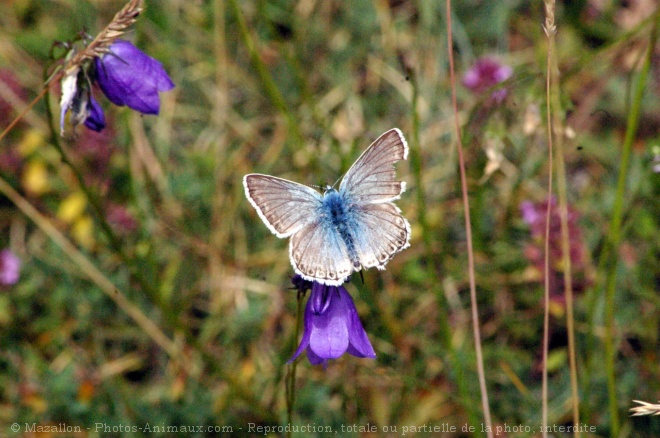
(549, 29)
(416, 166)
(291, 375)
(614, 235)
(468, 232)
(219, 118)
(556, 127)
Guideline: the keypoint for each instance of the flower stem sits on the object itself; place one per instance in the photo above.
(416, 165)
(550, 29)
(24, 112)
(468, 232)
(556, 128)
(291, 374)
(614, 235)
(95, 203)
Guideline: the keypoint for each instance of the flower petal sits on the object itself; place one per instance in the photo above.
(503, 73)
(486, 73)
(321, 298)
(314, 359)
(95, 119)
(127, 76)
(329, 337)
(304, 342)
(69, 89)
(471, 78)
(332, 326)
(10, 266)
(359, 342)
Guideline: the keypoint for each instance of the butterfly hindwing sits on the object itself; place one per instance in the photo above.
(381, 232)
(319, 254)
(372, 178)
(284, 206)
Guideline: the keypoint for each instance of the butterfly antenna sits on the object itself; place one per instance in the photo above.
(362, 276)
(314, 186)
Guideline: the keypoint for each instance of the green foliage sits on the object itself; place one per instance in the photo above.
(322, 80)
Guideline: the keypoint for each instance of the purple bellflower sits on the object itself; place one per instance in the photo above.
(485, 74)
(95, 118)
(127, 76)
(10, 266)
(332, 326)
(77, 98)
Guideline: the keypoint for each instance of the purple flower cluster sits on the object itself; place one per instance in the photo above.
(126, 75)
(10, 267)
(534, 214)
(332, 326)
(485, 74)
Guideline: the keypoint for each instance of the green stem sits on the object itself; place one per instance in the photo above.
(291, 375)
(614, 235)
(593, 298)
(481, 374)
(550, 29)
(557, 129)
(98, 212)
(416, 166)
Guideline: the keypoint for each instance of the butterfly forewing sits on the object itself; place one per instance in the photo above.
(381, 232)
(372, 178)
(284, 206)
(318, 253)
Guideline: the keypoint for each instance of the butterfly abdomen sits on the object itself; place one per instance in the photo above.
(338, 215)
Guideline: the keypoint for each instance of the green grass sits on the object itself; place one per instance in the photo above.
(298, 90)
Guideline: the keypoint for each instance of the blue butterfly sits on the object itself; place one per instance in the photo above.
(342, 230)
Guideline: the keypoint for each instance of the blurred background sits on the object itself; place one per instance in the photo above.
(173, 306)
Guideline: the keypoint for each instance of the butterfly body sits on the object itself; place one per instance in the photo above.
(340, 231)
(337, 212)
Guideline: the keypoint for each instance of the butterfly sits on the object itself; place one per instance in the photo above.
(340, 231)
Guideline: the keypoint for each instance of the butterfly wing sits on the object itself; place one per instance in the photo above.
(284, 206)
(372, 178)
(287, 208)
(318, 253)
(380, 232)
(369, 187)
(374, 229)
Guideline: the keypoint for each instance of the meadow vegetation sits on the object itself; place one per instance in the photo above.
(150, 292)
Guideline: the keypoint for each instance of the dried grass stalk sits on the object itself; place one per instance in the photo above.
(101, 43)
(645, 409)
